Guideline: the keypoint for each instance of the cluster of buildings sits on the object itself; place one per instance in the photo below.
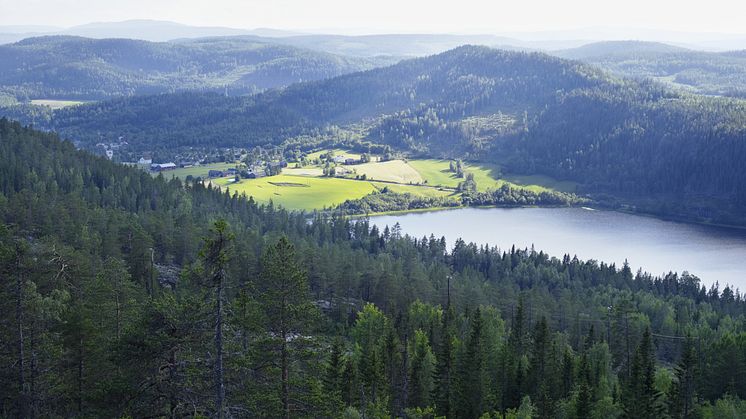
(162, 167)
(345, 160)
(222, 173)
(110, 148)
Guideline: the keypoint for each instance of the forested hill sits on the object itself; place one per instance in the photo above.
(711, 73)
(639, 142)
(67, 67)
(104, 272)
(465, 81)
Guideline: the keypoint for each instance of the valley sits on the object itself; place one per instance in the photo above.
(305, 187)
(216, 222)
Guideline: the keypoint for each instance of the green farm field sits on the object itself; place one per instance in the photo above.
(389, 171)
(306, 189)
(299, 192)
(438, 173)
(543, 182)
(197, 171)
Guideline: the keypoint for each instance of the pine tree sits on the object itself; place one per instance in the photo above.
(470, 386)
(514, 378)
(283, 293)
(681, 395)
(215, 259)
(640, 396)
(584, 400)
(444, 371)
(421, 371)
(333, 375)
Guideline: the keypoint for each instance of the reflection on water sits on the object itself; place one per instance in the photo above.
(656, 246)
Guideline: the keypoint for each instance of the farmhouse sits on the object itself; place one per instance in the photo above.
(253, 172)
(160, 167)
(215, 173)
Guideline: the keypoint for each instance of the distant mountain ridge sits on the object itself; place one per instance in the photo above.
(710, 73)
(468, 80)
(66, 67)
(142, 29)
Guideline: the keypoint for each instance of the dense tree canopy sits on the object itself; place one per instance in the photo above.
(628, 142)
(67, 67)
(105, 269)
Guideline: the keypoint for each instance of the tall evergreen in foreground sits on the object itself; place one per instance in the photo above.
(283, 294)
(215, 258)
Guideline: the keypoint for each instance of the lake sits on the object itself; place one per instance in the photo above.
(656, 246)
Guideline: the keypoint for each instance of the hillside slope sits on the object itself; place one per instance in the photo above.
(529, 111)
(711, 73)
(464, 81)
(65, 67)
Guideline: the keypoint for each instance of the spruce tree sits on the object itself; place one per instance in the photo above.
(640, 399)
(283, 293)
(443, 392)
(681, 395)
(215, 259)
(470, 392)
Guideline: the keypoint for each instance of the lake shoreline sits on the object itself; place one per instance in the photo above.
(680, 220)
(652, 244)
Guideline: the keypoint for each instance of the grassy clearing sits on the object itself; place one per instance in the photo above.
(284, 190)
(417, 190)
(305, 189)
(487, 176)
(435, 172)
(56, 104)
(389, 171)
(438, 173)
(543, 182)
(337, 152)
(303, 171)
(198, 171)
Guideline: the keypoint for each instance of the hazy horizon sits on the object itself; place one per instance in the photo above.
(721, 17)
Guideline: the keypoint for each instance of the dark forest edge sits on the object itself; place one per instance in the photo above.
(504, 197)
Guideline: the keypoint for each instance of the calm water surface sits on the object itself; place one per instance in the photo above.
(656, 246)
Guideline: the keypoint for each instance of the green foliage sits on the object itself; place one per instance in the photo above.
(69, 67)
(323, 316)
(711, 73)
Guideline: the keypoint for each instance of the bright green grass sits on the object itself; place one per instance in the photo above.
(438, 173)
(541, 181)
(303, 189)
(337, 152)
(299, 192)
(417, 190)
(389, 171)
(198, 171)
(56, 104)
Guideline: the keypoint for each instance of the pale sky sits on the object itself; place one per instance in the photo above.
(403, 16)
